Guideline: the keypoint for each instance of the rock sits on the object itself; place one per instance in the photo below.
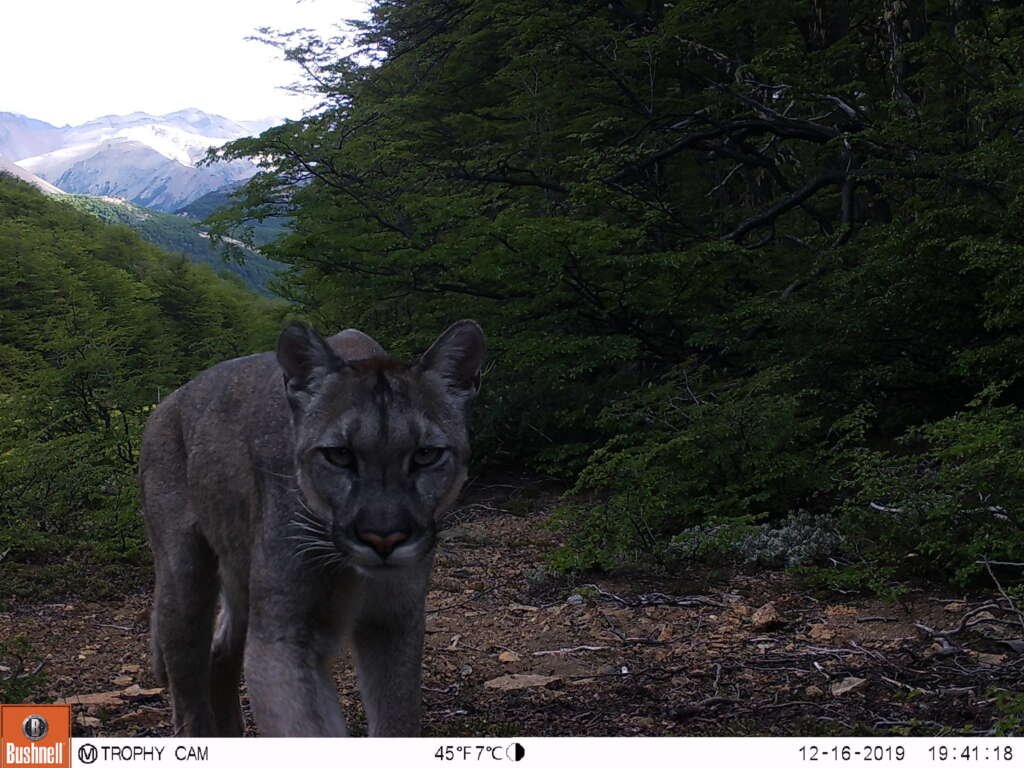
(463, 534)
(940, 650)
(518, 682)
(444, 584)
(137, 692)
(841, 612)
(821, 632)
(522, 608)
(846, 685)
(112, 698)
(575, 600)
(766, 616)
(985, 624)
(508, 657)
(991, 659)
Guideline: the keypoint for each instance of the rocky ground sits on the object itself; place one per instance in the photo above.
(514, 651)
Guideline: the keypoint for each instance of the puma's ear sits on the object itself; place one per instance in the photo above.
(456, 357)
(303, 354)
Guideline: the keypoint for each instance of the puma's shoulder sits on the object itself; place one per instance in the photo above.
(351, 344)
(228, 399)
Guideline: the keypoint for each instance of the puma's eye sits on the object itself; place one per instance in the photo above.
(340, 456)
(424, 457)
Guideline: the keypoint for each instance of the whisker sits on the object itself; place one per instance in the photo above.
(314, 544)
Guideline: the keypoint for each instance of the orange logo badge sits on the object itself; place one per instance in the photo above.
(35, 736)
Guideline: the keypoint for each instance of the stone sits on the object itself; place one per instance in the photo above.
(766, 616)
(519, 682)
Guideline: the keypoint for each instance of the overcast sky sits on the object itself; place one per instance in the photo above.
(67, 61)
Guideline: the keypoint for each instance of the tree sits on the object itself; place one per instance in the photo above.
(95, 325)
(728, 249)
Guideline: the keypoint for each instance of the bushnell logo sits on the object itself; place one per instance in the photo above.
(35, 736)
(34, 727)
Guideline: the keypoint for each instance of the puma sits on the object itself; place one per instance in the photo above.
(291, 503)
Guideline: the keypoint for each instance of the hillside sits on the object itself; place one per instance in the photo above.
(96, 326)
(20, 173)
(181, 235)
(202, 208)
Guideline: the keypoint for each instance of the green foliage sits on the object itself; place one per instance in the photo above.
(800, 540)
(260, 233)
(863, 577)
(95, 326)
(726, 259)
(714, 542)
(685, 451)
(178, 234)
(1010, 707)
(20, 678)
(949, 502)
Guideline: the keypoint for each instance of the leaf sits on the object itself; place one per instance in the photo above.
(847, 685)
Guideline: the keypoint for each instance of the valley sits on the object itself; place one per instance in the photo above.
(145, 172)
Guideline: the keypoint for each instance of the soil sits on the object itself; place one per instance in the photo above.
(513, 650)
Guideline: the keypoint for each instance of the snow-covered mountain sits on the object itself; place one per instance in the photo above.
(22, 136)
(151, 160)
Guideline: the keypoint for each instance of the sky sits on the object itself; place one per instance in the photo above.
(68, 61)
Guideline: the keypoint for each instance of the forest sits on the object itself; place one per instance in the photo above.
(751, 278)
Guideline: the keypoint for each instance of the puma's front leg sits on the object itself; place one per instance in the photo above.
(291, 692)
(387, 640)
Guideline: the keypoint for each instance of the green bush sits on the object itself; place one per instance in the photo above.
(947, 504)
(688, 450)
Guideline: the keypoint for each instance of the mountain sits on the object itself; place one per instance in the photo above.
(22, 136)
(180, 235)
(134, 170)
(151, 160)
(20, 173)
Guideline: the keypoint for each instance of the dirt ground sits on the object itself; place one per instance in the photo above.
(512, 650)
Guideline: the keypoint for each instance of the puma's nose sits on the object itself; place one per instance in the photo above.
(382, 543)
